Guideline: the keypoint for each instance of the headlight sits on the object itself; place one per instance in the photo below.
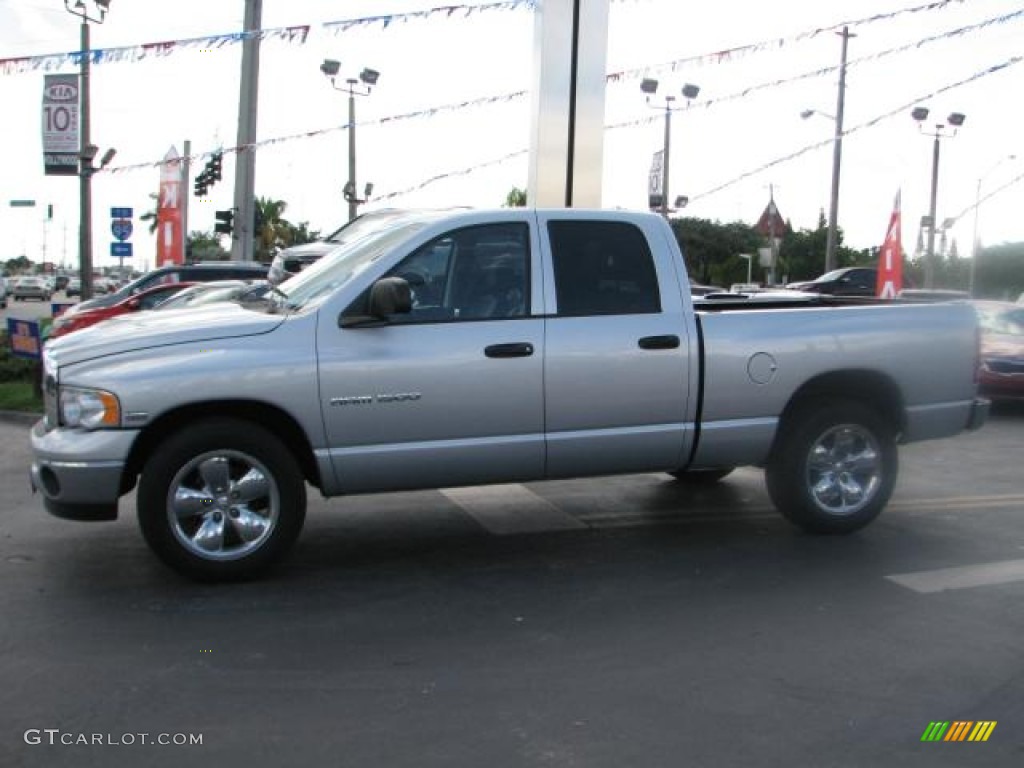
(89, 408)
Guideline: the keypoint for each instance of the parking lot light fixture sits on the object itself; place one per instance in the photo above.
(948, 129)
(361, 86)
(649, 86)
(81, 10)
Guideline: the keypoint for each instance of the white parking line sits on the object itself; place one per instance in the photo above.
(510, 509)
(965, 577)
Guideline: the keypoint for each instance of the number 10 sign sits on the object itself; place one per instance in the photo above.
(60, 125)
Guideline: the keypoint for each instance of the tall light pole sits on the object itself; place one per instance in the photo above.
(86, 150)
(690, 91)
(977, 206)
(953, 122)
(832, 238)
(367, 79)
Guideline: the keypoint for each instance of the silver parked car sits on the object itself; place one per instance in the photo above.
(31, 288)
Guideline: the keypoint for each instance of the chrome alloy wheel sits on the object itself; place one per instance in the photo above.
(223, 505)
(844, 469)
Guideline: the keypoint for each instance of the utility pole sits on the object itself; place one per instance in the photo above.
(245, 157)
(837, 157)
(664, 157)
(353, 206)
(85, 174)
(186, 163)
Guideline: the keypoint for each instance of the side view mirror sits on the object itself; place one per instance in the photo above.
(388, 296)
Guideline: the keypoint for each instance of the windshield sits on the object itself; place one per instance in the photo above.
(1007, 322)
(829, 277)
(317, 282)
(361, 225)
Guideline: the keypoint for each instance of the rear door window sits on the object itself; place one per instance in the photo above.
(602, 268)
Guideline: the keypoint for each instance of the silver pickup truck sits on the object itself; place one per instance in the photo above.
(473, 347)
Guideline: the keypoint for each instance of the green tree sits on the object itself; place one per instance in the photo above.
(271, 228)
(301, 233)
(802, 253)
(516, 198)
(999, 273)
(17, 265)
(712, 249)
(204, 246)
(150, 215)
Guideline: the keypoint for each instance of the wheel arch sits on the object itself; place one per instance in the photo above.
(871, 388)
(279, 422)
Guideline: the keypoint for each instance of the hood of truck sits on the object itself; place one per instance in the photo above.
(159, 328)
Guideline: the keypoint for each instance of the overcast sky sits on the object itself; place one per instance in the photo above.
(727, 148)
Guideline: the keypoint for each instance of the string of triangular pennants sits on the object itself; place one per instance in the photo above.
(515, 95)
(299, 34)
(760, 169)
(296, 35)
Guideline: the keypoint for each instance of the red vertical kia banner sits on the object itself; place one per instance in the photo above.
(890, 260)
(170, 239)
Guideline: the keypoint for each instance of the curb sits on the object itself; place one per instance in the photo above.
(26, 418)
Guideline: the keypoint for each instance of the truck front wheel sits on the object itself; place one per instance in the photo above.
(833, 467)
(221, 500)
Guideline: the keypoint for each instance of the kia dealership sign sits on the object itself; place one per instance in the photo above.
(60, 125)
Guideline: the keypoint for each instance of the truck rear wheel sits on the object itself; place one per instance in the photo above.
(833, 466)
(221, 500)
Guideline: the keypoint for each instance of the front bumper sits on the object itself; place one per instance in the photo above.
(979, 413)
(79, 473)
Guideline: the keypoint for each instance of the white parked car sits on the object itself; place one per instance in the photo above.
(31, 288)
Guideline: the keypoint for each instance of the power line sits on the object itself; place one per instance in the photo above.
(867, 124)
(728, 54)
(821, 72)
(766, 166)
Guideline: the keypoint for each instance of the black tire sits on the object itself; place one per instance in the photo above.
(211, 486)
(833, 466)
(701, 476)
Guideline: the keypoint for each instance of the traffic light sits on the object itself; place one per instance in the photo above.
(214, 166)
(224, 222)
(200, 185)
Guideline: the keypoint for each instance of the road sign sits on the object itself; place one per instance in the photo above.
(121, 250)
(121, 229)
(120, 213)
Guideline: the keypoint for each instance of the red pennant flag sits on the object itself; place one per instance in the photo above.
(890, 260)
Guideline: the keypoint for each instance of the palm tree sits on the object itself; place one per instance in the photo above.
(272, 230)
(150, 215)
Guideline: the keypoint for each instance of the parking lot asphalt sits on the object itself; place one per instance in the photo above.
(605, 622)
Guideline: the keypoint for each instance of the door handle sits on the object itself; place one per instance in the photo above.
(670, 341)
(522, 349)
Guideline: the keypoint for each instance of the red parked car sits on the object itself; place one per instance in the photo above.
(1002, 349)
(76, 321)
